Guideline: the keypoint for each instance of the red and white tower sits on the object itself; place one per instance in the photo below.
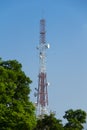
(42, 93)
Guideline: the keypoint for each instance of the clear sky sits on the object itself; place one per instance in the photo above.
(66, 26)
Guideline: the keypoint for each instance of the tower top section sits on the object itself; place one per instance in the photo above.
(42, 31)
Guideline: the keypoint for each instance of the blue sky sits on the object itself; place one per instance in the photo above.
(66, 26)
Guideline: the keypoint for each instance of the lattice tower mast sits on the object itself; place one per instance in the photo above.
(42, 93)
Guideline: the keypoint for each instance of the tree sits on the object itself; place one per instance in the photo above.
(49, 122)
(75, 118)
(16, 110)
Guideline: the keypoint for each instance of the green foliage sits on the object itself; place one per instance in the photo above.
(16, 110)
(49, 122)
(75, 119)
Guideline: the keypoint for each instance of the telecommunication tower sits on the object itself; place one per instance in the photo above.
(41, 91)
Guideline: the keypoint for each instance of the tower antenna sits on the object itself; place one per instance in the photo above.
(41, 91)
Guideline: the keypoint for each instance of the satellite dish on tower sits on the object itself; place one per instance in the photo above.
(47, 46)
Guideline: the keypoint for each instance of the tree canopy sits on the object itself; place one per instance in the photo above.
(49, 122)
(75, 121)
(16, 110)
(75, 118)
